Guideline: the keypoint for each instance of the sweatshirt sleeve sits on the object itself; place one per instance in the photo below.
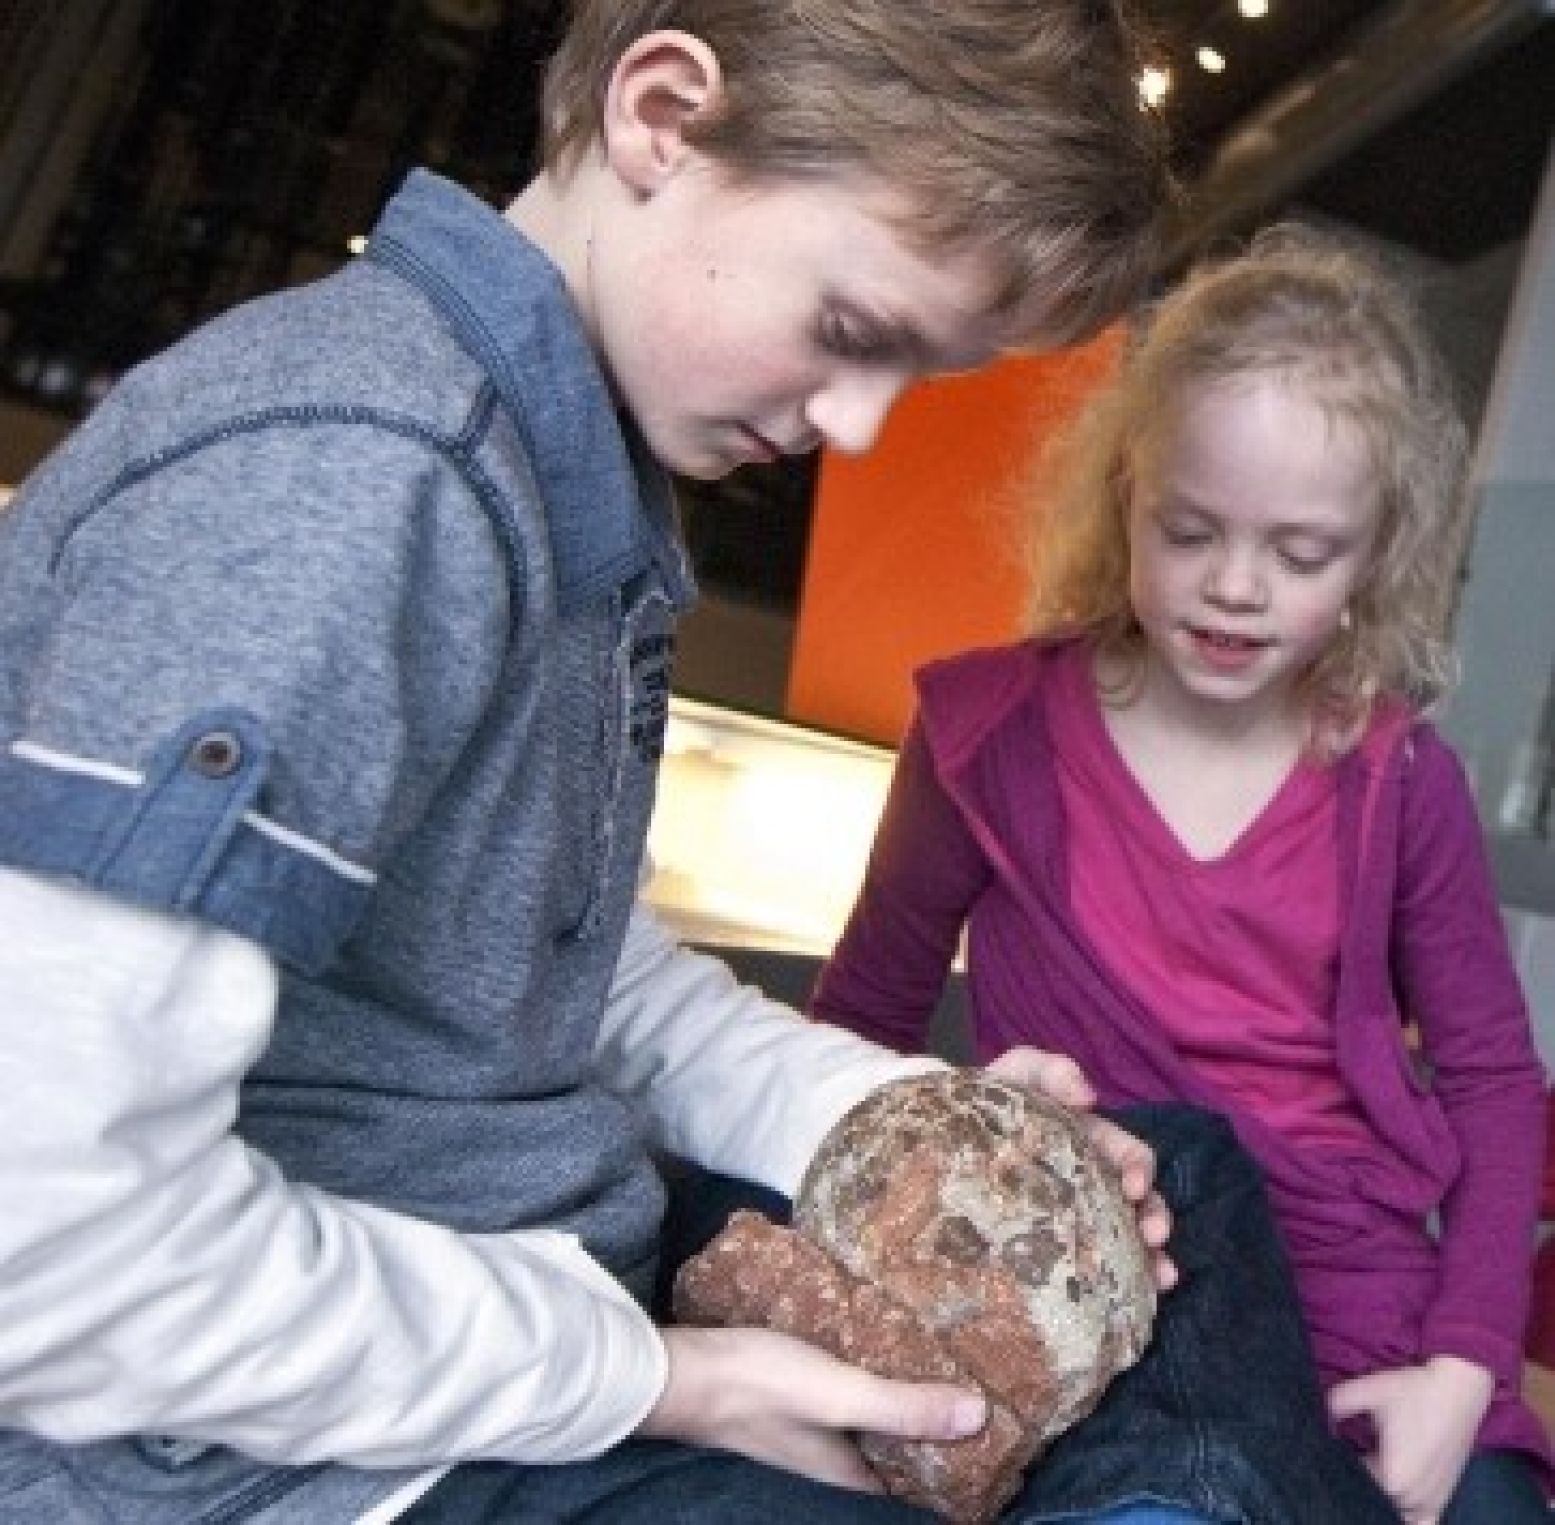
(1457, 980)
(157, 1276)
(727, 1078)
(925, 872)
(256, 663)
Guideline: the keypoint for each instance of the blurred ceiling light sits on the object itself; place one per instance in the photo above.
(357, 244)
(1154, 83)
(1210, 61)
(1253, 9)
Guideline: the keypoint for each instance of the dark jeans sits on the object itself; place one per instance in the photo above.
(1498, 1488)
(658, 1483)
(1223, 1416)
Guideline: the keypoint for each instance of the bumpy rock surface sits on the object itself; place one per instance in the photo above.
(950, 1227)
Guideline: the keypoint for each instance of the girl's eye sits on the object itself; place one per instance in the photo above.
(1182, 535)
(1304, 563)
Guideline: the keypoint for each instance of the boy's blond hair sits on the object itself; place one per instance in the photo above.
(1012, 127)
(1331, 325)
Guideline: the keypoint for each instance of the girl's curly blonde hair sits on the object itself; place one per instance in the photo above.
(1332, 325)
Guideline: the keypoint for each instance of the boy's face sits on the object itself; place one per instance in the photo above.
(739, 323)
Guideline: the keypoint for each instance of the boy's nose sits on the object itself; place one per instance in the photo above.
(848, 414)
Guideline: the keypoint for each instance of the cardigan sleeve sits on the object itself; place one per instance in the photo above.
(1456, 979)
(925, 872)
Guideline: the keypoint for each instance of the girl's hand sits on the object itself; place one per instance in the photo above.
(1426, 1418)
(1059, 1078)
(788, 1404)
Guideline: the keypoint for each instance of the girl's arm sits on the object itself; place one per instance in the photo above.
(925, 873)
(1456, 979)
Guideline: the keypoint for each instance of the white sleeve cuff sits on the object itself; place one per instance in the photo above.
(730, 1079)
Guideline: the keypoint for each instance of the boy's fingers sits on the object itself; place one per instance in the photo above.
(915, 1410)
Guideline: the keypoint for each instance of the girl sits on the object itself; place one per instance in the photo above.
(1201, 839)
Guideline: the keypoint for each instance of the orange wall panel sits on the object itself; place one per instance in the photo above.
(913, 548)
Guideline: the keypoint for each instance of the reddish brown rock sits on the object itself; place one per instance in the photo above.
(956, 1228)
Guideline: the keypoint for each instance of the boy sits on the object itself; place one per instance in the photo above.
(334, 652)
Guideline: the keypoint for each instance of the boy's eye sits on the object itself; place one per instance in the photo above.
(848, 338)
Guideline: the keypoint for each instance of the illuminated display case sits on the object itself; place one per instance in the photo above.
(762, 829)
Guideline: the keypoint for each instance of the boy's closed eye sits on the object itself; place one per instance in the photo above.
(851, 337)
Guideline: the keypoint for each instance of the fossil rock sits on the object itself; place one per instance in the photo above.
(958, 1228)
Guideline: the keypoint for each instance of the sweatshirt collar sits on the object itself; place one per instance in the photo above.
(607, 503)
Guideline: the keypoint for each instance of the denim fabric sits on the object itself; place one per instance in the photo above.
(187, 838)
(1498, 1488)
(1224, 1412)
(163, 1482)
(506, 300)
(657, 1483)
(1149, 1514)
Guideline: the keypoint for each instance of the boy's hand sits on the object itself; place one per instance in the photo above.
(1059, 1078)
(788, 1404)
(1426, 1418)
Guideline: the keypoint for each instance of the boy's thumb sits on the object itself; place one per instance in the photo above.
(923, 1411)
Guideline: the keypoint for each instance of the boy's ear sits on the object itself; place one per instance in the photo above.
(660, 83)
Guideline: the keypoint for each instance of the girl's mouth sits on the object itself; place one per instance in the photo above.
(1224, 649)
(1228, 640)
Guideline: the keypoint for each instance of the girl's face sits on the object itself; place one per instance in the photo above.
(1252, 520)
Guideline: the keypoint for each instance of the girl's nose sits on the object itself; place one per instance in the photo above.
(1236, 579)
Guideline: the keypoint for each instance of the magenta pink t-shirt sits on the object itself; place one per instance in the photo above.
(1236, 955)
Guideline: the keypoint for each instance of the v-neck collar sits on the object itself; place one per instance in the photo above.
(1101, 756)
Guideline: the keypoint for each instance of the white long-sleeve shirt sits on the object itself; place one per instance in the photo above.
(159, 1276)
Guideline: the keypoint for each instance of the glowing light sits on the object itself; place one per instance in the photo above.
(761, 829)
(1253, 9)
(358, 244)
(1154, 84)
(1210, 61)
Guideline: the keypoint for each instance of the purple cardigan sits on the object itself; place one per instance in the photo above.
(974, 835)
